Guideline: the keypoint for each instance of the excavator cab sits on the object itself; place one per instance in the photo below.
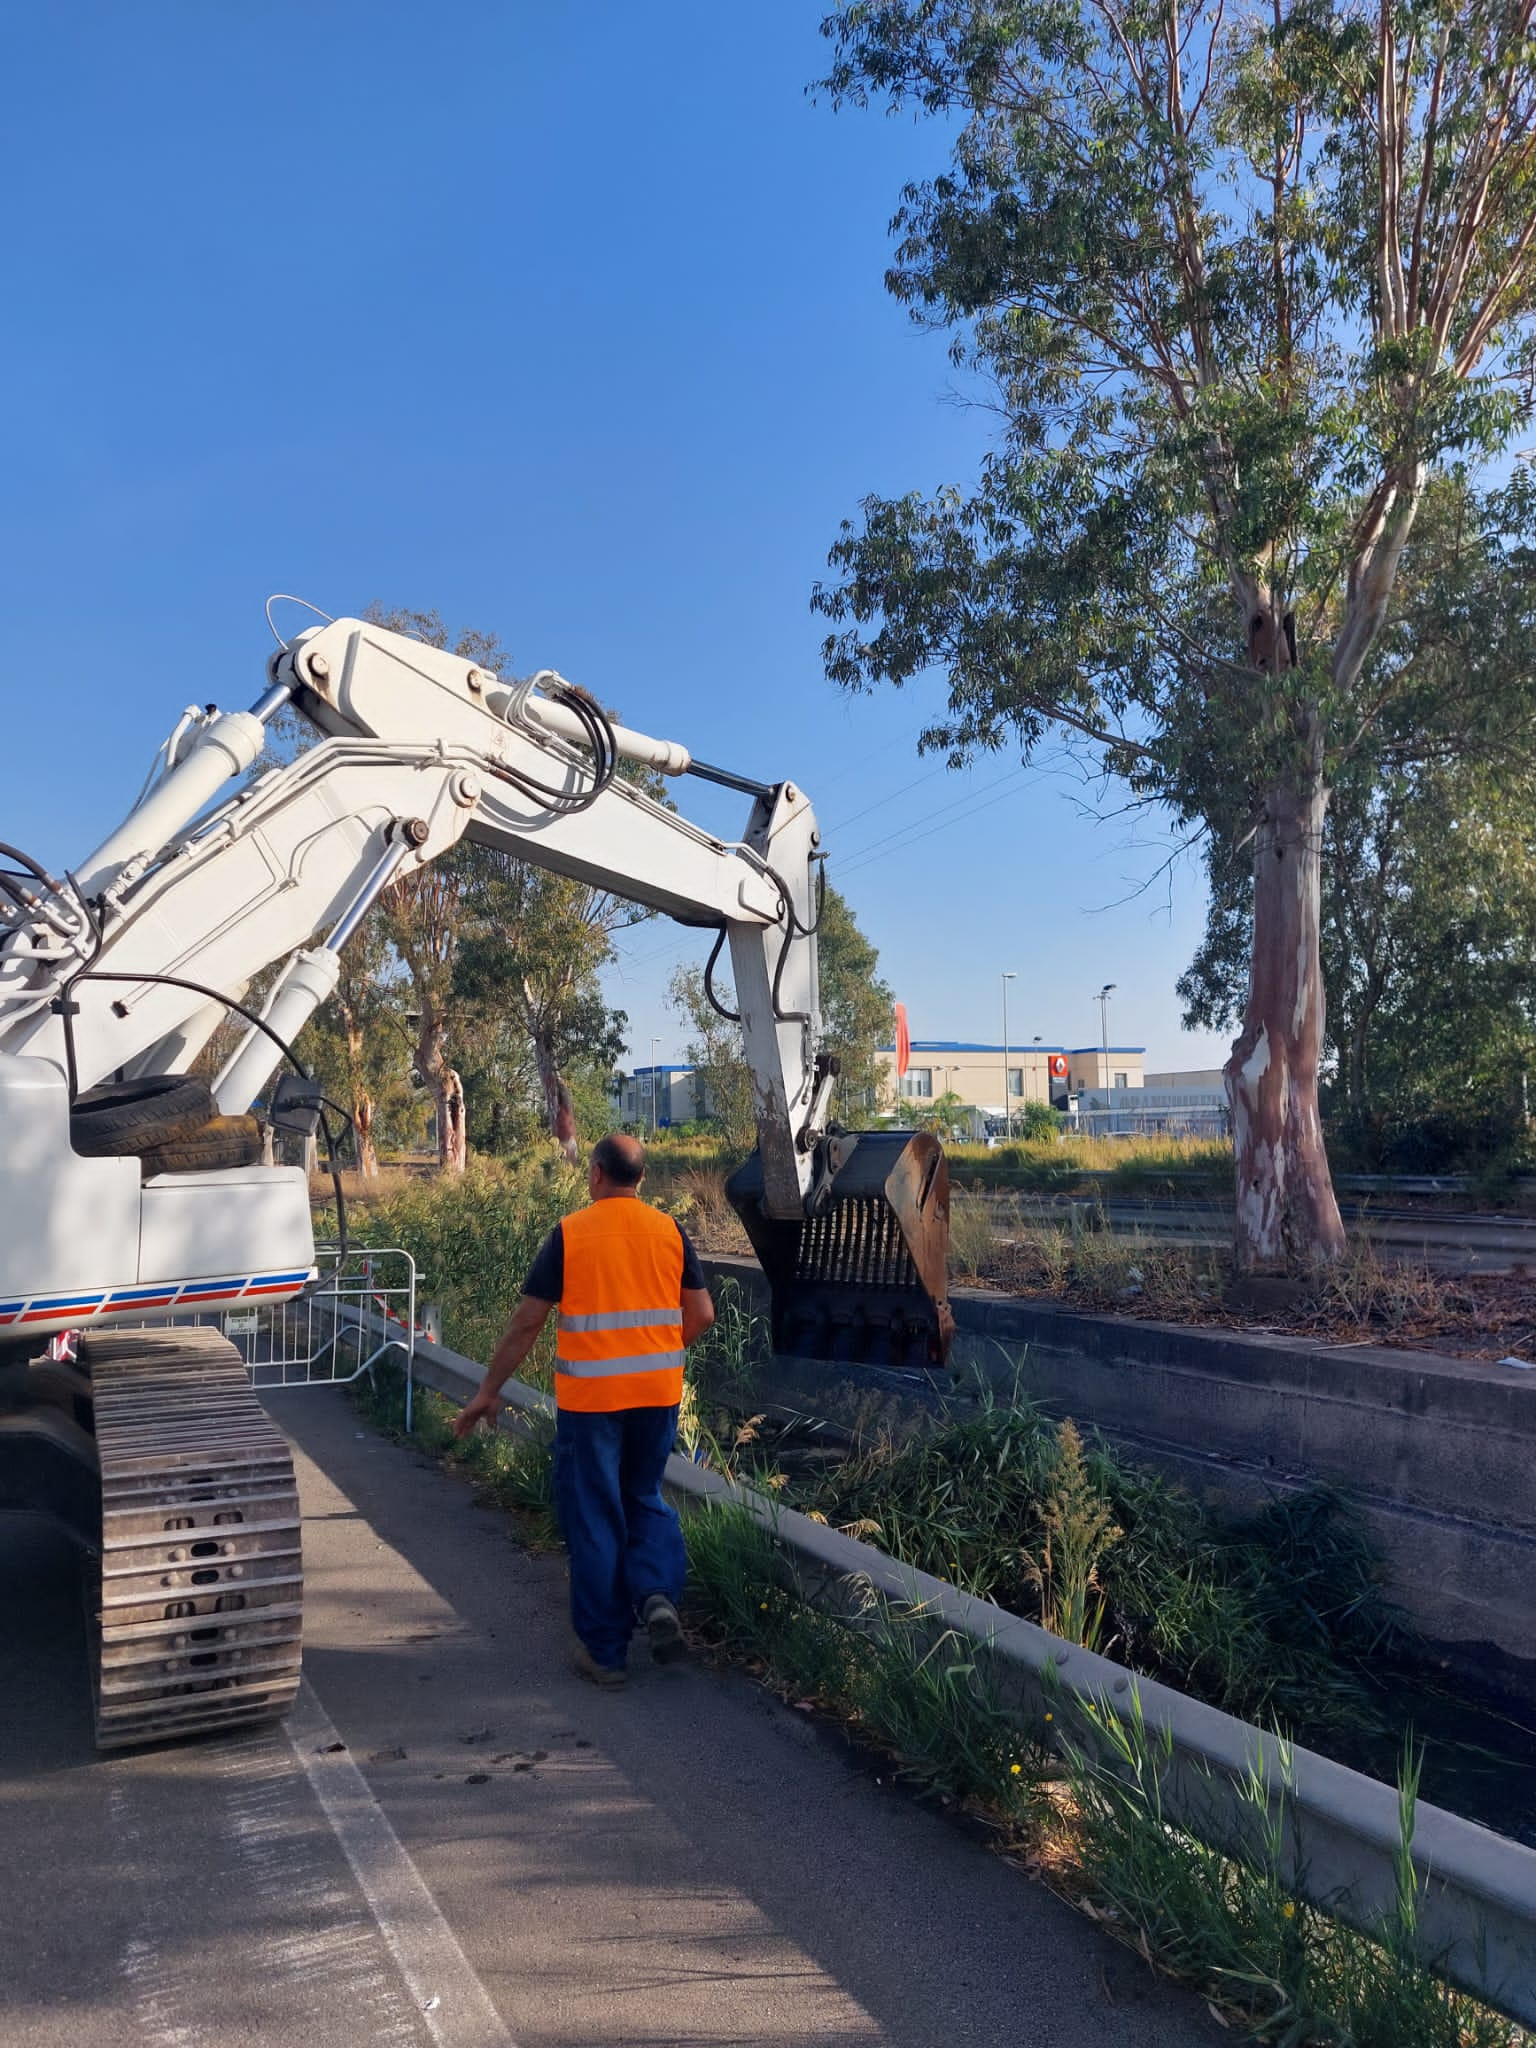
(862, 1275)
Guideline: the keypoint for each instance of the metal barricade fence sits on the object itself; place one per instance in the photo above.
(361, 1309)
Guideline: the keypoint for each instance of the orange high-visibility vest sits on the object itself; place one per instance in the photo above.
(619, 1338)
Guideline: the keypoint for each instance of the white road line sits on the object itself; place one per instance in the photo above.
(448, 1994)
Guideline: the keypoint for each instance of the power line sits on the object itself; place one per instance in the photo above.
(960, 803)
(845, 823)
(873, 853)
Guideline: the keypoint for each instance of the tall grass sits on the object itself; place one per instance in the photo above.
(1280, 1614)
(473, 1237)
(1233, 1923)
(1073, 1161)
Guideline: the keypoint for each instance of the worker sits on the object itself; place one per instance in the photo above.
(631, 1298)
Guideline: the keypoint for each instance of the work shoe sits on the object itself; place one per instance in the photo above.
(664, 1629)
(609, 1676)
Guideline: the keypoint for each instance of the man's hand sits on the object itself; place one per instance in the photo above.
(479, 1408)
(528, 1318)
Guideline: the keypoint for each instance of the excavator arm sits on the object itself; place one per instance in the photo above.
(114, 977)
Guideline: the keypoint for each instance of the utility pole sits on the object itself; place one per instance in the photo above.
(654, 1043)
(1102, 999)
(1007, 1098)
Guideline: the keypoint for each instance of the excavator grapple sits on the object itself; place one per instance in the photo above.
(862, 1275)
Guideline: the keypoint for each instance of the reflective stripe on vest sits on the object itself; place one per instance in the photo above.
(620, 1314)
(605, 1368)
(624, 1319)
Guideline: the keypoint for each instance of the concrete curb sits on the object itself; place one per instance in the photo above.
(1477, 1915)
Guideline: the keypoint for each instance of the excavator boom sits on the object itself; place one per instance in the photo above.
(135, 1189)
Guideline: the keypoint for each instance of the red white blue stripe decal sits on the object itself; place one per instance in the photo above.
(82, 1308)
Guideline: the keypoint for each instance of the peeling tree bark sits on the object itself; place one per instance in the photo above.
(447, 1090)
(559, 1107)
(1287, 1218)
(362, 1101)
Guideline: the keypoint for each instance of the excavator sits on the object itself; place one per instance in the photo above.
(136, 1189)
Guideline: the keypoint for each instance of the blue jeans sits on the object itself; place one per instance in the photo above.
(624, 1540)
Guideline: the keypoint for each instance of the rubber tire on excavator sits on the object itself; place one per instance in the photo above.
(222, 1141)
(122, 1119)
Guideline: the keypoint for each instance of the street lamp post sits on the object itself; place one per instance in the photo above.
(1102, 999)
(1007, 1098)
(654, 1043)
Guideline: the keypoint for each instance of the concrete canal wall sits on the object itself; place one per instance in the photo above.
(1439, 1454)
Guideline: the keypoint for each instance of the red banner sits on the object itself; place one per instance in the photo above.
(903, 1041)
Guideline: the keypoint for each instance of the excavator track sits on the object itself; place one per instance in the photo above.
(201, 1600)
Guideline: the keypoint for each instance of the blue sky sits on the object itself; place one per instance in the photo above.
(567, 323)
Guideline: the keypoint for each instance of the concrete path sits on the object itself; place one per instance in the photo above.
(499, 1854)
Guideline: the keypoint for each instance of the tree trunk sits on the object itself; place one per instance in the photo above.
(1287, 1217)
(447, 1090)
(559, 1109)
(362, 1123)
(362, 1101)
(452, 1129)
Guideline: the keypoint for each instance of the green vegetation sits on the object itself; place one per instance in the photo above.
(473, 1237)
(1233, 1924)
(857, 1017)
(1279, 1615)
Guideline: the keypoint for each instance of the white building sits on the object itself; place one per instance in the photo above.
(656, 1097)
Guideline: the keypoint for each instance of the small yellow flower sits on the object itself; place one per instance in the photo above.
(762, 1606)
(1050, 1717)
(1015, 1768)
(1288, 1910)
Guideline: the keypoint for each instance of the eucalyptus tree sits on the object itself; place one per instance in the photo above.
(1241, 278)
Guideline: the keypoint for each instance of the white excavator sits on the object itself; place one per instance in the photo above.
(133, 1193)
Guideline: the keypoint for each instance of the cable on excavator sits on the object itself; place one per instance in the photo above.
(258, 1023)
(162, 1211)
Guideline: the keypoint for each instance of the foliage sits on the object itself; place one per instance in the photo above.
(502, 959)
(1230, 1925)
(473, 1238)
(714, 1051)
(946, 1115)
(1038, 1119)
(904, 1681)
(1239, 285)
(858, 1013)
(1233, 1923)
(1429, 934)
(531, 953)
(358, 1045)
(1077, 1163)
(1428, 881)
(1281, 1613)
(1076, 1530)
(857, 1017)
(972, 1233)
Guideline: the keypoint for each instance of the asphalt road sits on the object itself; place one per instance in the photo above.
(457, 1842)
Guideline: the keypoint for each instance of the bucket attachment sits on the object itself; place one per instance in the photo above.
(863, 1274)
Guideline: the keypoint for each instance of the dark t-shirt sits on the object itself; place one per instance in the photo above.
(546, 1276)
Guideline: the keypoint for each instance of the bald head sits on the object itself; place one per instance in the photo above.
(619, 1160)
